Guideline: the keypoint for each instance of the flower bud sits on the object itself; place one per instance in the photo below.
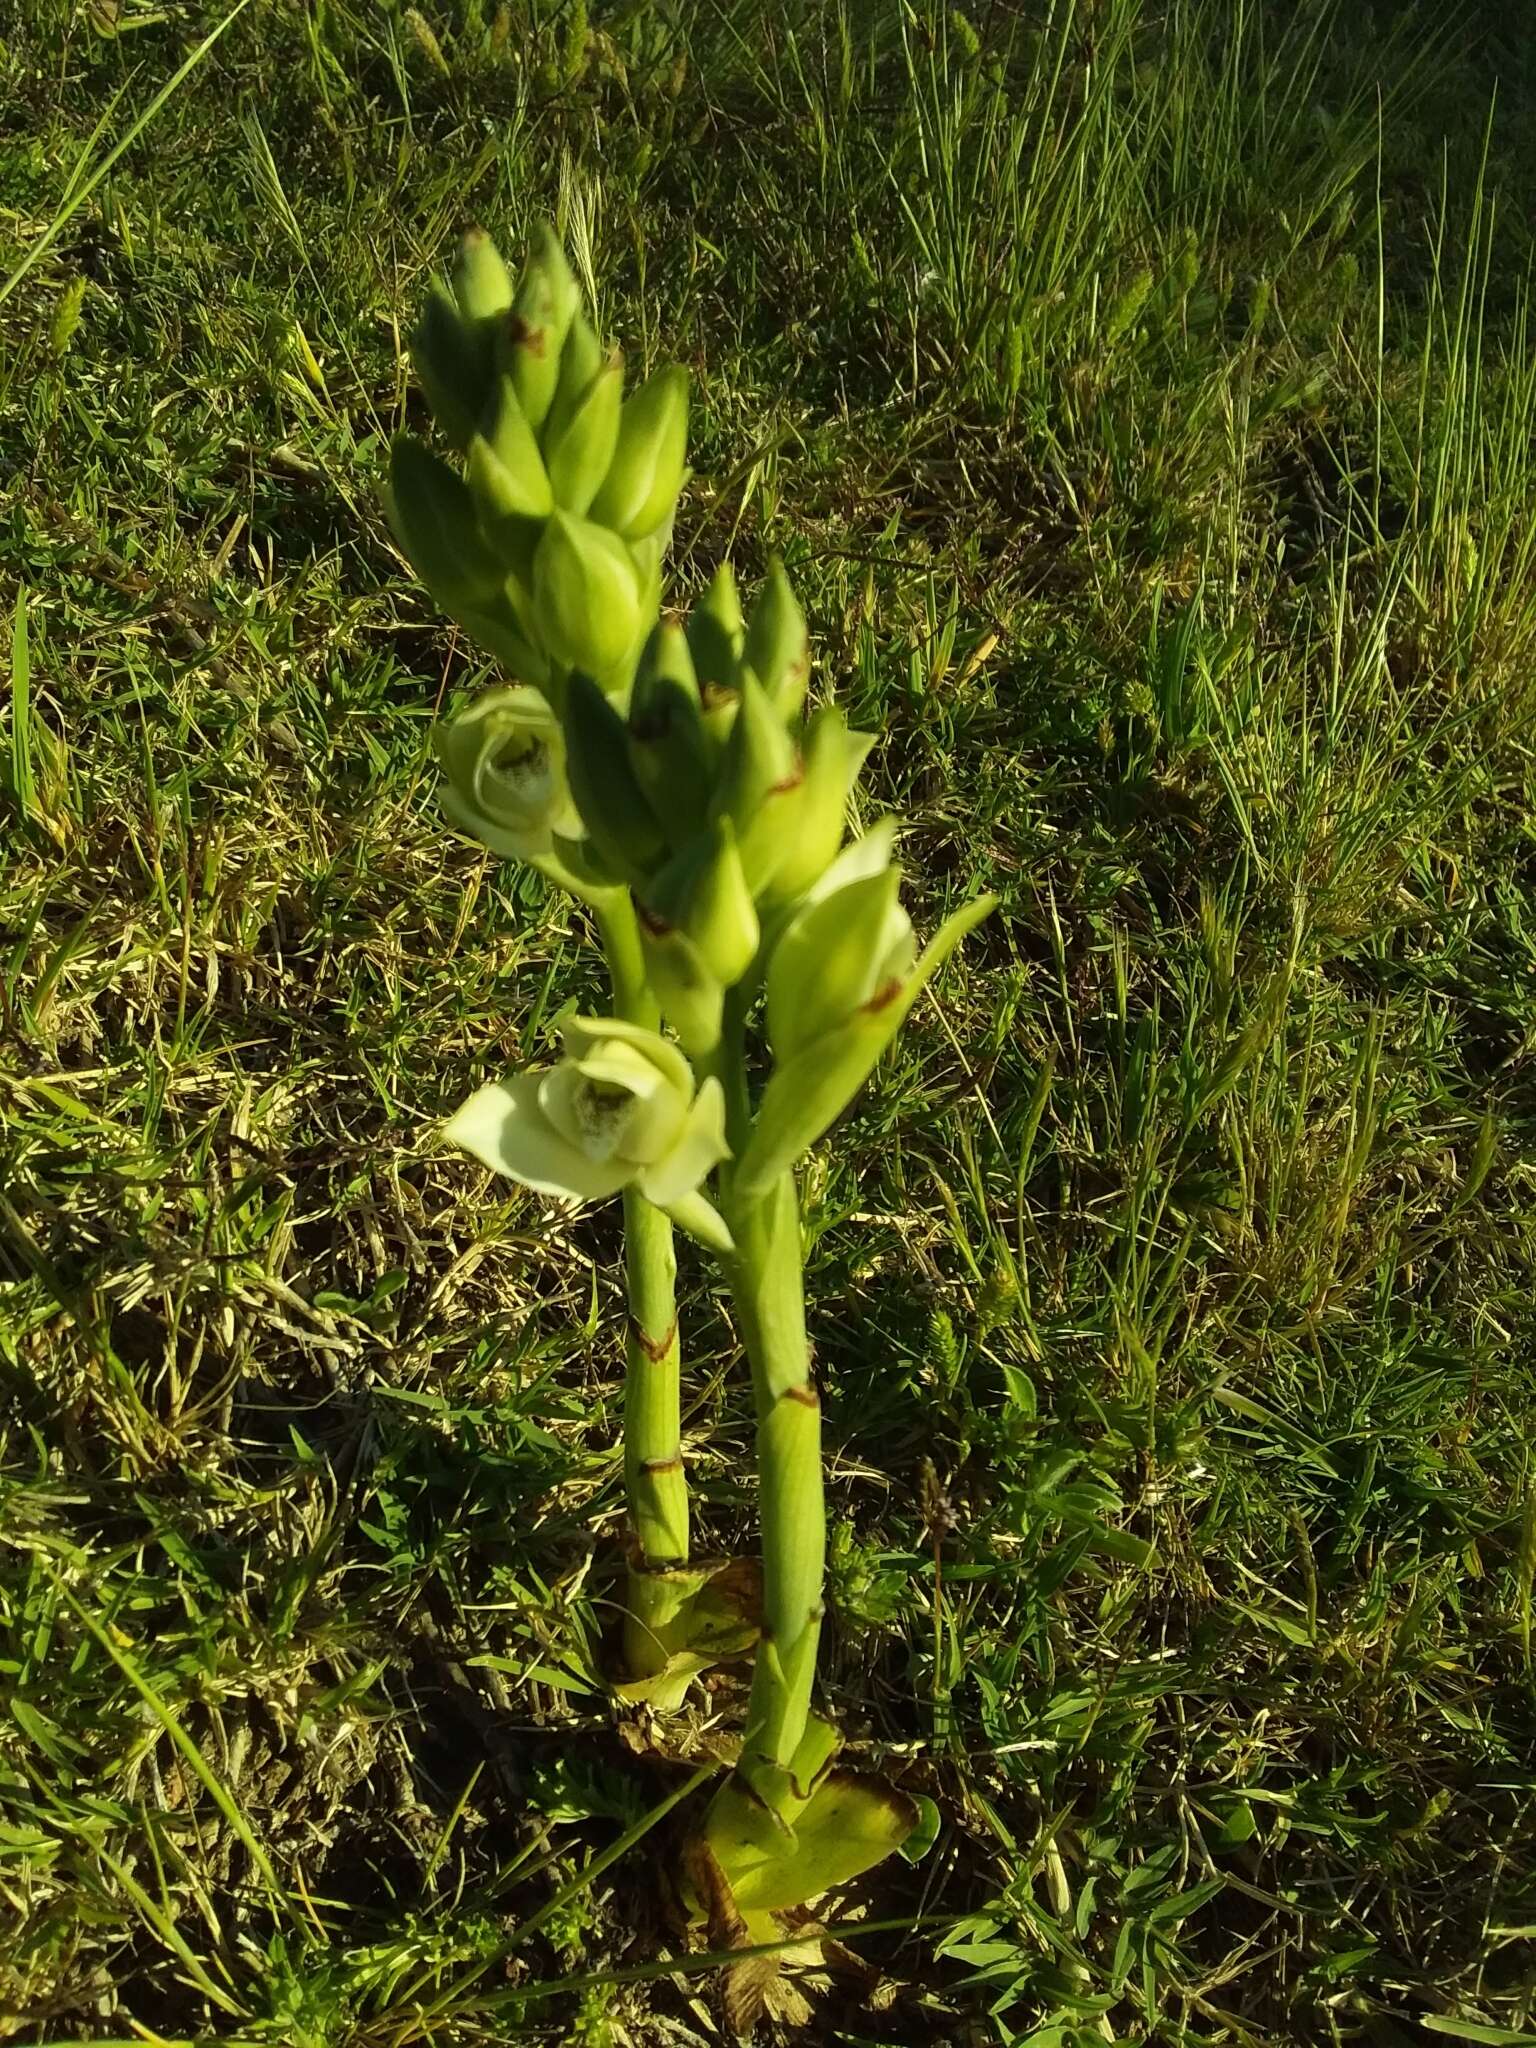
(703, 893)
(580, 360)
(620, 1107)
(482, 283)
(715, 634)
(758, 782)
(580, 452)
(586, 595)
(849, 940)
(840, 984)
(449, 366)
(483, 288)
(668, 749)
(778, 646)
(503, 760)
(619, 821)
(831, 757)
(433, 516)
(649, 463)
(758, 756)
(532, 335)
(692, 998)
(506, 471)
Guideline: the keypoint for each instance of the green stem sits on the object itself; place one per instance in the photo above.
(768, 1286)
(654, 1482)
(632, 998)
(729, 1064)
(653, 1458)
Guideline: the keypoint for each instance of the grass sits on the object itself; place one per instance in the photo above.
(1143, 398)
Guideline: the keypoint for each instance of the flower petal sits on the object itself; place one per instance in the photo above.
(505, 1129)
(580, 1034)
(857, 862)
(500, 838)
(566, 823)
(700, 1148)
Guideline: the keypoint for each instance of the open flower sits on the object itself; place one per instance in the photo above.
(619, 1107)
(503, 761)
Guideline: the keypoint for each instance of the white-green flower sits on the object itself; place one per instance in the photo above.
(620, 1107)
(503, 762)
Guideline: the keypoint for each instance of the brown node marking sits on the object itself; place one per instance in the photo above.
(655, 1466)
(655, 1348)
(791, 781)
(522, 335)
(715, 696)
(806, 1396)
(654, 726)
(653, 922)
(883, 996)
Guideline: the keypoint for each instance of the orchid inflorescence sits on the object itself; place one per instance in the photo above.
(669, 776)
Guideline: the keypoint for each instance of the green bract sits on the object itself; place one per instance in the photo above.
(619, 1108)
(503, 761)
(849, 941)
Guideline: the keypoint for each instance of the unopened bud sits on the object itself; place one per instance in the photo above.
(580, 360)
(668, 748)
(850, 940)
(533, 332)
(715, 633)
(831, 757)
(586, 595)
(580, 455)
(703, 892)
(649, 463)
(449, 366)
(778, 646)
(505, 470)
(692, 998)
(759, 778)
(483, 288)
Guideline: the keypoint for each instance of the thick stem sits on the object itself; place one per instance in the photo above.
(653, 1459)
(654, 1482)
(767, 1284)
(632, 998)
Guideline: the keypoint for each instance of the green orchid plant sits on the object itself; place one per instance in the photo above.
(669, 776)
(545, 544)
